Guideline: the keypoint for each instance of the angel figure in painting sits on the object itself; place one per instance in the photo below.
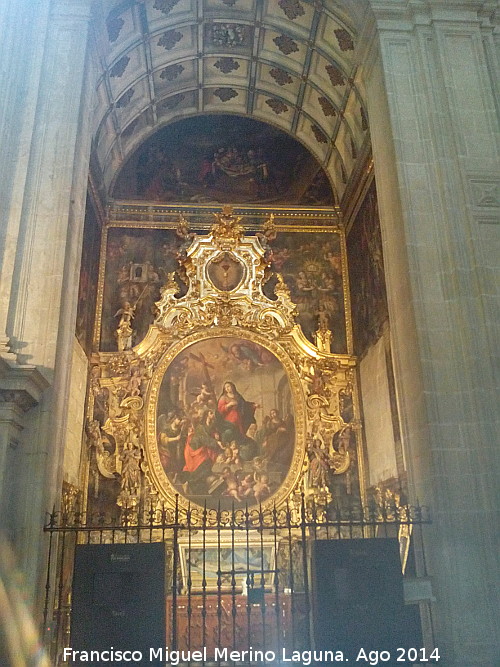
(261, 488)
(170, 445)
(235, 410)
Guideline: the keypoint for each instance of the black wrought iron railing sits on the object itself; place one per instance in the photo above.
(240, 579)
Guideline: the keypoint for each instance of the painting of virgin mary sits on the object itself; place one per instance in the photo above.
(233, 424)
(234, 410)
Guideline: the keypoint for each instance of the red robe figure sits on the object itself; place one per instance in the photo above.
(233, 408)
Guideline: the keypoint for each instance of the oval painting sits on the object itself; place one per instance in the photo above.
(225, 428)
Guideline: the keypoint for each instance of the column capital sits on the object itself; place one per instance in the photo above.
(21, 385)
(21, 389)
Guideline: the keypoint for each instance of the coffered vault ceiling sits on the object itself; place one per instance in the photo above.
(291, 63)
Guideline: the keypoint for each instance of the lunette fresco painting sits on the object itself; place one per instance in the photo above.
(220, 159)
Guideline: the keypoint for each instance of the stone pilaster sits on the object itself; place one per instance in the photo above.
(435, 141)
(24, 28)
(21, 389)
(48, 174)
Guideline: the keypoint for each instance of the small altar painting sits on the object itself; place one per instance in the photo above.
(311, 265)
(225, 426)
(225, 272)
(229, 567)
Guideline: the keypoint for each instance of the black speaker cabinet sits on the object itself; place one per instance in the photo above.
(118, 601)
(357, 588)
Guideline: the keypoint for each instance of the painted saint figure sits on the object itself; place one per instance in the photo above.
(170, 445)
(202, 444)
(234, 409)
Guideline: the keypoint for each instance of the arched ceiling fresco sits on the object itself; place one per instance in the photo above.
(291, 63)
(220, 158)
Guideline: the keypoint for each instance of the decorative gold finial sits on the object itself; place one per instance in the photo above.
(281, 287)
(171, 286)
(323, 333)
(269, 229)
(182, 230)
(226, 232)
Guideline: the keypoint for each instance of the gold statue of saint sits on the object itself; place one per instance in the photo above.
(124, 332)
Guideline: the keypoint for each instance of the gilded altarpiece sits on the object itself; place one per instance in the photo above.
(206, 387)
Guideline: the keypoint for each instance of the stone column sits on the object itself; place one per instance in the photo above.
(47, 173)
(435, 141)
